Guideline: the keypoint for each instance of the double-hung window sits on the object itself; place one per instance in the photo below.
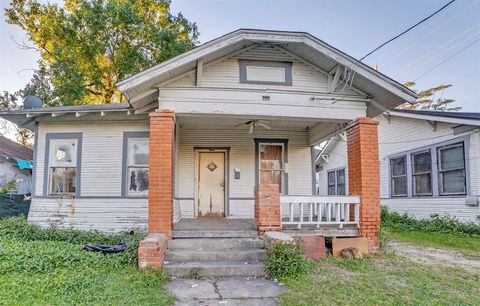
(137, 166)
(398, 168)
(422, 173)
(451, 170)
(336, 182)
(272, 164)
(62, 166)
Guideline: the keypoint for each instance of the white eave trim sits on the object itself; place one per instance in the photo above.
(266, 36)
(436, 118)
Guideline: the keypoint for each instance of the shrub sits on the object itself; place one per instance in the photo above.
(437, 224)
(18, 228)
(286, 260)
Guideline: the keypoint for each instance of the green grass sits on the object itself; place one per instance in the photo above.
(49, 267)
(382, 280)
(467, 245)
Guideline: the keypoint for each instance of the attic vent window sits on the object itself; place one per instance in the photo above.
(265, 72)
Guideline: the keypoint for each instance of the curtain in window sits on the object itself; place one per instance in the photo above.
(271, 165)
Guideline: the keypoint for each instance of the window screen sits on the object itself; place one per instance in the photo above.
(422, 173)
(399, 176)
(451, 169)
(137, 166)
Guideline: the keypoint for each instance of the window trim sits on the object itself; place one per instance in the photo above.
(287, 66)
(126, 137)
(465, 139)
(284, 142)
(440, 172)
(414, 193)
(46, 171)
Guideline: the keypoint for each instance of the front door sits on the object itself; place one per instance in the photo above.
(211, 184)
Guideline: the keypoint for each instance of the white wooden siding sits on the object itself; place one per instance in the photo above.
(106, 215)
(101, 177)
(102, 149)
(404, 134)
(242, 156)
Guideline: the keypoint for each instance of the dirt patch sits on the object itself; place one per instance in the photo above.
(431, 255)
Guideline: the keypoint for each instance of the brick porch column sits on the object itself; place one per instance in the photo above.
(160, 194)
(364, 175)
(267, 208)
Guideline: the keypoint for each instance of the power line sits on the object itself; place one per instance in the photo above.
(415, 43)
(448, 58)
(409, 29)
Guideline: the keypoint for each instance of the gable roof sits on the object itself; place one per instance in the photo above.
(11, 149)
(467, 118)
(381, 88)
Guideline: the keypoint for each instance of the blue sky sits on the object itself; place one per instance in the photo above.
(355, 27)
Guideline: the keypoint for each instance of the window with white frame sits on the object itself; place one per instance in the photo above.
(451, 170)
(272, 163)
(398, 168)
(63, 166)
(137, 166)
(336, 182)
(422, 173)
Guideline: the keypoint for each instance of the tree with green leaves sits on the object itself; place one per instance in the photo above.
(87, 46)
(428, 99)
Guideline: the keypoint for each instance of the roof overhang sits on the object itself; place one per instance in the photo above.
(384, 92)
(435, 118)
(26, 118)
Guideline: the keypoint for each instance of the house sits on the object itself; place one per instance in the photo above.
(15, 163)
(429, 163)
(226, 130)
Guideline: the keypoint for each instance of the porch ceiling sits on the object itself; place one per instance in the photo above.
(222, 122)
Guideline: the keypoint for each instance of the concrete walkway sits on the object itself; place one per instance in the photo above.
(229, 291)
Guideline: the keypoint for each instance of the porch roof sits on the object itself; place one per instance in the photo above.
(384, 92)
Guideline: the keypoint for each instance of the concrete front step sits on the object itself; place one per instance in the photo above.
(214, 269)
(214, 234)
(235, 255)
(215, 243)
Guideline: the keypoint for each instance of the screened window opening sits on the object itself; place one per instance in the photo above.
(336, 182)
(422, 173)
(451, 170)
(271, 164)
(63, 166)
(399, 176)
(137, 166)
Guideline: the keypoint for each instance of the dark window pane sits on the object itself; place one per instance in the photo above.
(331, 190)
(341, 176)
(453, 181)
(452, 158)
(341, 189)
(398, 166)
(422, 162)
(423, 184)
(399, 186)
(331, 178)
(63, 180)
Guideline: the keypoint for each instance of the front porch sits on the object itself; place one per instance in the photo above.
(284, 201)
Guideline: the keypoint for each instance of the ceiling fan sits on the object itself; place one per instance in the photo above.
(253, 124)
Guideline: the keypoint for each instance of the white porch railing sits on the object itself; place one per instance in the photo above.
(318, 211)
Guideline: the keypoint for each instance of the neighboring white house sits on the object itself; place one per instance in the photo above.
(247, 109)
(429, 163)
(15, 163)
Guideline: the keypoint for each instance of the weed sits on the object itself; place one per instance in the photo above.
(286, 260)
